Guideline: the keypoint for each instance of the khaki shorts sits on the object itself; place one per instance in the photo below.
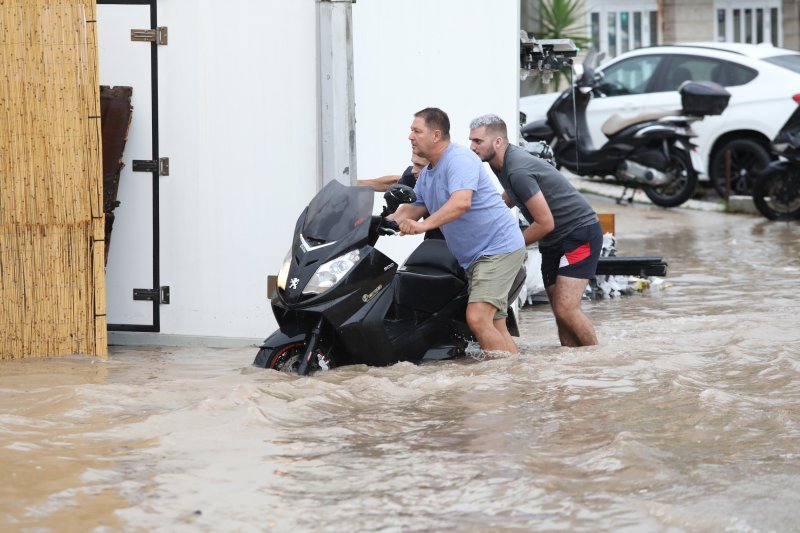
(490, 278)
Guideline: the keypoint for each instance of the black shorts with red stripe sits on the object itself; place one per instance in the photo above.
(575, 256)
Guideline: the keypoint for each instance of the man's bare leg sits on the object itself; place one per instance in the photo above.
(500, 325)
(574, 327)
(480, 319)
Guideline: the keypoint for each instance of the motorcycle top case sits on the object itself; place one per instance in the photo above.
(703, 98)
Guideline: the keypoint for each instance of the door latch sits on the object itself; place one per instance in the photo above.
(158, 35)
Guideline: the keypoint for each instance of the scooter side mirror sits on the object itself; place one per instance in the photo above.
(398, 194)
(599, 60)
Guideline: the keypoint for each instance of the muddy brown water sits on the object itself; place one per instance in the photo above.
(685, 418)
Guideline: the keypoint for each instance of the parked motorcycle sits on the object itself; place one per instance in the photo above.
(340, 301)
(652, 150)
(539, 149)
(776, 191)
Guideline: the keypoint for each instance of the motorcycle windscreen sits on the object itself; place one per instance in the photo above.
(338, 213)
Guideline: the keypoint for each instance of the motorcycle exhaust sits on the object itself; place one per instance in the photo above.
(630, 170)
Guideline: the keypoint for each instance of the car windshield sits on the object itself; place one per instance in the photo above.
(788, 61)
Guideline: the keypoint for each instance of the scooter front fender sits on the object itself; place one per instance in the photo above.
(779, 165)
(279, 338)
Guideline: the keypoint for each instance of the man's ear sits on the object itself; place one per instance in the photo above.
(437, 134)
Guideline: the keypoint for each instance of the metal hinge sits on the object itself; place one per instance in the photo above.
(154, 295)
(158, 35)
(151, 165)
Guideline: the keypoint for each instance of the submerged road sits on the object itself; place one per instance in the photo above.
(684, 418)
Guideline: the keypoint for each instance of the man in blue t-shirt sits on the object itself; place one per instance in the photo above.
(455, 193)
(561, 221)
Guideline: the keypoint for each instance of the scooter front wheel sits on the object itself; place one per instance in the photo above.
(287, 358)
(682, 185)
(777, 194)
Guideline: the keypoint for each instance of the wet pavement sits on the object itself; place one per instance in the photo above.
(684, 418)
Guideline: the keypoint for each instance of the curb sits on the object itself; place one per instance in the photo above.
(735, 204)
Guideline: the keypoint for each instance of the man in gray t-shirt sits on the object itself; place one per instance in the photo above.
(561, 221)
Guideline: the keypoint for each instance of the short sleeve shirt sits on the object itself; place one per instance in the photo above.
(488, 227)
(523, 175)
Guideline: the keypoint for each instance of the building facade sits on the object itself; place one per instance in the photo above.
(622, 25)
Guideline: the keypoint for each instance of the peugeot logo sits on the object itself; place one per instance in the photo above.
(293, 283)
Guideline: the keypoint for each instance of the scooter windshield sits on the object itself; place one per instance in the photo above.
(337, 213)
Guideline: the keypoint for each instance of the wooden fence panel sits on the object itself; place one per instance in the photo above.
(52, 280)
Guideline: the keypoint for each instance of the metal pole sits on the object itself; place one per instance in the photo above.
(337, 132)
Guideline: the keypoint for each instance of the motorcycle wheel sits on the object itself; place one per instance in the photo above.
(747, 158)
(683, 184)
(777, 194)
(287, 358)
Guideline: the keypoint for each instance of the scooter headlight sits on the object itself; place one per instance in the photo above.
(283, 273)
(331, 273)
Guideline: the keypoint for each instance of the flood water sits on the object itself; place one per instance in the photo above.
(685, 418)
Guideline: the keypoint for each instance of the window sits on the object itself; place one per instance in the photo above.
(612, 33)
(682, 67)
(595, 31)
(624, 25)
(789, 61)
(745, 21)
(630, 76)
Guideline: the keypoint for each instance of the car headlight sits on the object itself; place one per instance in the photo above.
(330, 273)
(283, 273)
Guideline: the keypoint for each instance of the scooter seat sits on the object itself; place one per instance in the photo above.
(617, 122)
(430, 278)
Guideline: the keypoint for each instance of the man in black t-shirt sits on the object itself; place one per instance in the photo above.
(409, 177)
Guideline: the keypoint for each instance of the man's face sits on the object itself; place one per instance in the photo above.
(422, 138)
(482, 143)
(417, 164)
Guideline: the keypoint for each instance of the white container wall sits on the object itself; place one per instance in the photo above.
(239, 122)
(461, 56)
(238, 119)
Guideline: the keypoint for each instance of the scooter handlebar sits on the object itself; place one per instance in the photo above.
(383, 226)
(388, 227)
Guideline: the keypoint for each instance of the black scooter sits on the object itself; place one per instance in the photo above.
(651, 151)
(340, 301)
(776, 191)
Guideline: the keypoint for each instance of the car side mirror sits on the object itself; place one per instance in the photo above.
(398, 194)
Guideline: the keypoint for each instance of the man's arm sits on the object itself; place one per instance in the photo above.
(379, 184)
(543, 222)
(458, 204)
(408, 212)
(507, 200)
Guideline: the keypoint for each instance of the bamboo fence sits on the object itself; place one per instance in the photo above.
(52, 279)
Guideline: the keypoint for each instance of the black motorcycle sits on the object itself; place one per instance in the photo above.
(651, 151)
(340, 301)
(776, 191)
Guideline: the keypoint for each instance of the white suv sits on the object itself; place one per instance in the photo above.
(764, 83)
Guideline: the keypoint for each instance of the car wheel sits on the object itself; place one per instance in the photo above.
(747, 157)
